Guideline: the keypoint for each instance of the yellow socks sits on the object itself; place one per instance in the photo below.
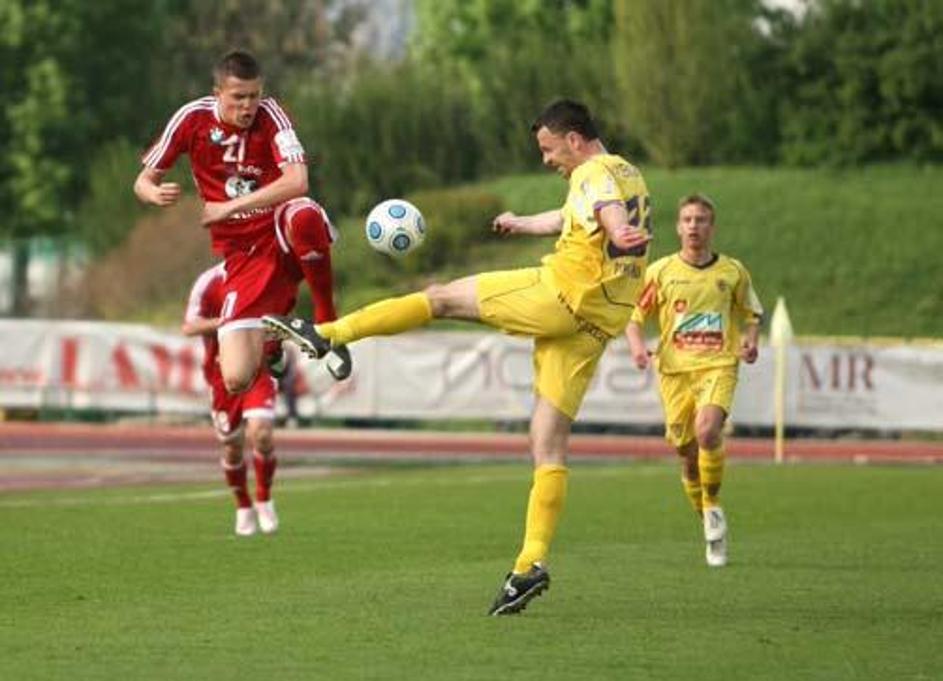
(710, 464)
(543, 511)
(385, 318)
(692, 490)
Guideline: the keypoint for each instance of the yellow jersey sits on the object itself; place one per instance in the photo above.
(597, 281)
(699, 310)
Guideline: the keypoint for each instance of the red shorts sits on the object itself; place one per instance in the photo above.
(228, 411)
(262, 280)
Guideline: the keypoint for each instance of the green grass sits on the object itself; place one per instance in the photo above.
(854, 252)
(386, 574)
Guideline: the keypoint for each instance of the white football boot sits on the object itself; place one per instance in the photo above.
(246, 524)
(268, 518)
(715, 534)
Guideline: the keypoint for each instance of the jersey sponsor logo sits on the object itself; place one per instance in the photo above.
(699, 331)
(249, 170)
(249, 214)
(632, 270)
(239, 186)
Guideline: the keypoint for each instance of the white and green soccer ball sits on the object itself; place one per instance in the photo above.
(395, 227)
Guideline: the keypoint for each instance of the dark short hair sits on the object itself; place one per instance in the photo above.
(698, 199)
(567, 115)
(238, 64)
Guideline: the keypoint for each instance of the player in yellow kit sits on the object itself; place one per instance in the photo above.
(572, 305)
(700, 299)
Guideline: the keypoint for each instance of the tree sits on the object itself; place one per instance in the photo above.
(68, 86)
(678, 67)
(864, 82)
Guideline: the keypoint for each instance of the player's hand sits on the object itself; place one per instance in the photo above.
(165, 194)
(505, 224)
(749, 351)
(214, 211)
(627, 237)
(641, 358)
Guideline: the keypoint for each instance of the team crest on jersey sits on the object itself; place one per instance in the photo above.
(216, 136)
(681, 305)
(722, 285)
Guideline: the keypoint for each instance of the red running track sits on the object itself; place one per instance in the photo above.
(177, 442)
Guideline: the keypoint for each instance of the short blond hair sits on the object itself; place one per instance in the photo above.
(699, 200)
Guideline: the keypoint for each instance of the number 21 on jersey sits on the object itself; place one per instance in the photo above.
(235, 149)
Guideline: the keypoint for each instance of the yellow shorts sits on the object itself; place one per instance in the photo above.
(566, 352)
(684, 394)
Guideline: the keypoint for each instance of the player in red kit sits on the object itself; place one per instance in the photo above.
(250, 170)
(236, 418)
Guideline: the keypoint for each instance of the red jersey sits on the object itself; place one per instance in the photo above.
(206, 302)
(227, 161)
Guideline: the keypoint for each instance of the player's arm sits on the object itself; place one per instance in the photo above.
(634, 333)
(615, 219)
(541, 224)
(200, 326)
(751, 311)
(749, 343)
(150, 188)
(292, 184)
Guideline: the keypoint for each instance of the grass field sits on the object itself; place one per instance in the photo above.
(386, 573)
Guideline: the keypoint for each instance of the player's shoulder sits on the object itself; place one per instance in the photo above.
(657, 268)
(609, 164)
(274, 113)
(196, 108)
(732, 263)
(211, 276)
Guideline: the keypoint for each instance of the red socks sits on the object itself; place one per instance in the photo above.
(236, 479)
(264, 474)
(310, 235)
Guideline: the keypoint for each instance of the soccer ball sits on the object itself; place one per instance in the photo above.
(395, 227)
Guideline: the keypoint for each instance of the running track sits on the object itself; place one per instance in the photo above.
(41, 455)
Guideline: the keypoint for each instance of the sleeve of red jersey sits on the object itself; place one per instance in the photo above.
(172, 142)
(286, 147)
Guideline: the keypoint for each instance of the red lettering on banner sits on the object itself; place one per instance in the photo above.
(184, 363)
(127, 376)
(70, 361)
(162, 358)
(188, 366)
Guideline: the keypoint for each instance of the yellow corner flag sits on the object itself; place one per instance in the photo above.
(780, 335)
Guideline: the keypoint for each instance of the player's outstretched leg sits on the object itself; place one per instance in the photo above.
(519, 590)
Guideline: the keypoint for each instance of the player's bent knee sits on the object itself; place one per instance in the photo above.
(709, 435)
(236, 384)
(438, 299)
(232, 454)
